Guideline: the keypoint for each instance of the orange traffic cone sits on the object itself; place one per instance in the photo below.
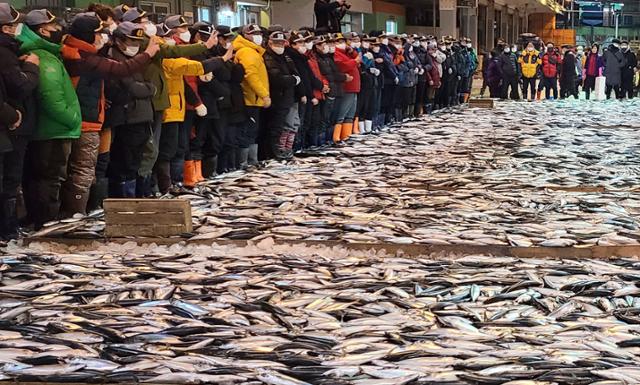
(347, 129)
(337, 129)
(190, 173)
(199, 177)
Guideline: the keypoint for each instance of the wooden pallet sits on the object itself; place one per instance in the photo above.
(481, 103)
(147, 217)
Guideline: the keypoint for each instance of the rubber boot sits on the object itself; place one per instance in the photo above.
(362, 127)
(210, 167)
(538, 95)
(428, 108)
(177, 174)
(99, 191)
(291, 140)
(141, 186)
(368, 126)
(337, 130)
(347, 129)
(116, 189)
(190, 179)
(130, 189)
(9, 219)
(465, 97)
(253, 155)
(163, 175)
(199, 176)
(244, 158)
(73, 202)
(356, 127)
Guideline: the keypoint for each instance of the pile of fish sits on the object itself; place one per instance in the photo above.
(556, 174)
(291, 315)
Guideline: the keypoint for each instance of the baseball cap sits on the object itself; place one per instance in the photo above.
(351, 35)
(86, 22)
(175, 21)
(278, 36)
(119, 12)
(297, 37)
(202, 28)
(39, 17)
(224, 31)
(319, 39)
(133, 14)
(130, 30)
(306, 34)
(338, 36)
(162, 29)
(8, 14)
(251, 29)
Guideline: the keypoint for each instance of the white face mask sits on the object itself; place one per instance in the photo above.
(469, 45)
(332, 49)
(385, 41)
(625, 47)
(616, 45)
(170, 41)
(530, 49)
(325, 49)
(278, 50)
(308, 46)
(185, 36)
(112, 27)
(104, 38)
(366, 45)
(424, 44)
(257, 39)
(514, 49)
(302, 50)
(150, 29)
(356, 44)
(341, 46)
(131, 50)
(375, 49)
(442, 48)
(416, 44)
(507, 50)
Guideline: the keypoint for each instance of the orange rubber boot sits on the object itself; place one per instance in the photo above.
(356, 128)
(337, 129)
(199, 177)
(190, 173)
(347, 129)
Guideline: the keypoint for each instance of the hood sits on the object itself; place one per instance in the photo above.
(31, 41)
(241, 42)
(9, 42)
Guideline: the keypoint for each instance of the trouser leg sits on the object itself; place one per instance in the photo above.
(184, 133)
(166, 151)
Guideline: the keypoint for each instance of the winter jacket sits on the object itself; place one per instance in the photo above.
(550, 64)
(256, 80)
(193, 99)
(308, 81)
(434, 74)
(20, 80)
(314, 65)
(328, 16)
(449, 66)
(58, 110)
(508, 65)
(630, 64)
(593, 64)
(154, 72)
(330, 70)
(580, 65)
(282, 81)
(215, 94)
(131, 96)
(8, 117)
(88, 71)
(462, 61)
(494, 72)
(568, 68)
(413, 63)
(473, 61)
(529, 63)
(346, 62)
(613, 64)
(390, 70)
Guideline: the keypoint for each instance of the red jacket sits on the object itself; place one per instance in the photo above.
(192, 95)
(550, 64)
(315, 69)
(433, 75)
(347, 64)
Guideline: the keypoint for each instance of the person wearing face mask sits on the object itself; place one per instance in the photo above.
(285, 86)
(354, 44)
(410, 81)
(529, 63)
(510, 78)
(88, 71)
(348, 61)
(297, 51)
(614, 62)
(315, 133)
(461, 63)
(403, 71)
(551, 63)
(329, 69)
(18, 80)
(249, 54)
(434, 75)
(628, 71)
(379, 64)
(368, 79)
(420, 48)
(472, 66)
(568, 76)
(131, 114)
(580, 58)
(593, 67)
(391, 80)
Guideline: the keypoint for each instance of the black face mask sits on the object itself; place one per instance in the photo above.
(55, 36)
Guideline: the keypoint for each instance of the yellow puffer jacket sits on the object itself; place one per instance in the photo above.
(174, 71)
(255, 85)
(529, 62)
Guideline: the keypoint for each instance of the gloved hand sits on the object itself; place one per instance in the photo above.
(416, 70)
(450, 71)
(201, 110)
(421, 71)
(396, 80)
(459, 77)
(374, 71)
(206, 78)
(369, 55)
(297, 79)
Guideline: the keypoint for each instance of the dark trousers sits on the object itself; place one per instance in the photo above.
(365, 100)
(46, 169)
(184, 135)
(626, 89)
(312, 133)
(408, 101)
(615, 89)
(127, 150)
(12, 166)
(589, 85)
(251, 128)
(421, 92)
(304, 111)
(168, 141)
(327, 111)
(209, 138)
(528, 85)
(568, 87)
(550, 85)
(509, 82)
(388, 104)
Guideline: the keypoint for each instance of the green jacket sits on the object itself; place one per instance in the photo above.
(58, 108)
(155, 73)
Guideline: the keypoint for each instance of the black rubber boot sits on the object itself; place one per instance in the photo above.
(209, 167)
(98, 194)
(9, 227)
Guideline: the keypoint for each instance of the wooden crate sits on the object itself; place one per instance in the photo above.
(147, 217)
(481, 103)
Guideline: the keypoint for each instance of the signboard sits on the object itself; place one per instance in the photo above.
(448, 5)
(467, 3)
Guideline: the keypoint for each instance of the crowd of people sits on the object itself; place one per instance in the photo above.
(114, 105)
(507, 70)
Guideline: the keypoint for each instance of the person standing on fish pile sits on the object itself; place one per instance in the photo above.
(380, 64)
(368, 78)
(486, 60)
(348, 61)
(614, 62)
(330, 71)
(510, 74)
(410, 81)
(494, 75)
(551, 63)
(568, 76)
(19, 78)
(316, 130)
(629, 71)
(297, 51)
(391, 80)
(282, 119)
(420, 46)
(529, 62)
(593, 67)
(249, 54)
(434, 76)
(442, 96)
(580, 59)
(131, 114)
(471, 61)
(88, 71)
